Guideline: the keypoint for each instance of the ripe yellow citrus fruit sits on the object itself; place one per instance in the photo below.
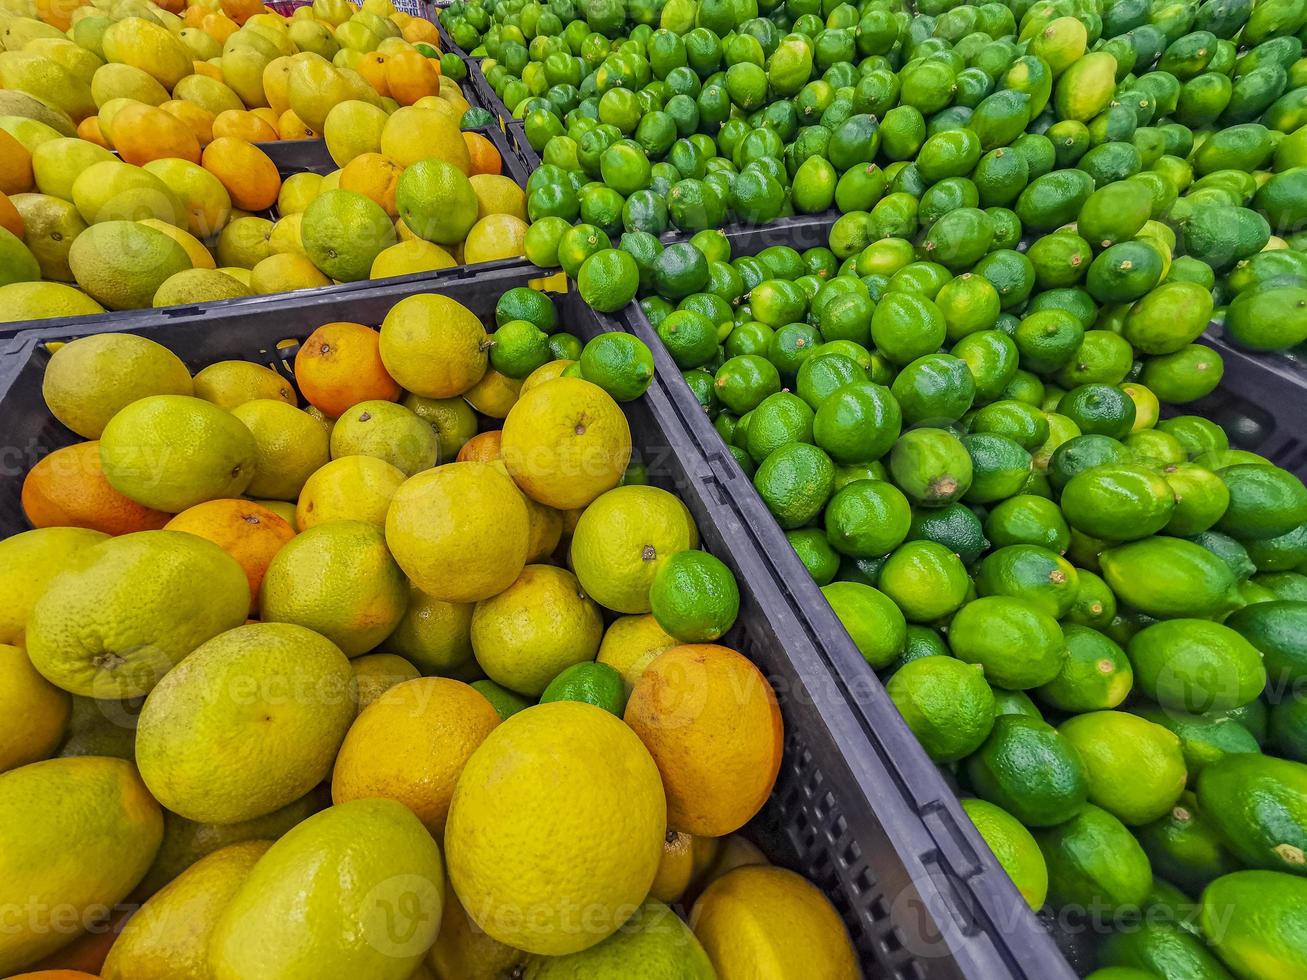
(434, 346)
(459, 531)
(440, 722)
(630, 645)
(533, 630)
(622, 539)
(566, 442)
(436, 635)
(560, 811)
(33, 712)
(768, 922)
(352, 488)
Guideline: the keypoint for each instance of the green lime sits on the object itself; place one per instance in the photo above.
(1013, 847)
(577, 244)
(504, 701)
(1094, 862)
(690, 337)
(795, 482)
(1043, 578)
(525, 303)
(564, 347)
(1096, 674)
(593, 683)
(931, 466)
(541, 243)
(780, 418)
(867, 519)
(923, 641)
(946, 703)
(750, 337)
(1027, 767)
(925, 580)
(821, 560)
(1020, 422)
(743, 382)
(999, 467)
(518, 348)
(906, 326)
(679, 270)
(936, 389)
(1028, 519)
(1018, 644)
(619, 363)
(857, 423)
(1136, 769)
(873, 622)
(624, 167)
(822, 374)
(608, 279)
(1099, 409)
(955, 526)
(694, 597)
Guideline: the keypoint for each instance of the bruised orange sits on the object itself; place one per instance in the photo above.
(339, 365)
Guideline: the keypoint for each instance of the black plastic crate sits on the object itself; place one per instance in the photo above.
(485, 92)
(1261, 402)
(857, 807)
(515, 130)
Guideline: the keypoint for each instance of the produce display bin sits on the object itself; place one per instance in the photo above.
(1261, 402)
(488, 97)
(857, 807)
(516, 131)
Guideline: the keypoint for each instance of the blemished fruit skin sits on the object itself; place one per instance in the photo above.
(759, 921)
(324, 902)
(123, 612)
(79, 833)
(1257, 923)
(278, 696)
(169, 936)
(587, 775)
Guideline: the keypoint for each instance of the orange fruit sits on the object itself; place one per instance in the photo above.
(410, 76)
(85, 953)
(250, 176)
(416, 29)
(10, 220)
(709, 719)
(292, 127)
(243, 125)
(373, 69)
(247, 531)
(373, 176)
(89, 130)
(194, 115)
(208, 70)
(58, 13)
(219, 26)
(439, 721)
(339, 365)
(194, 16)
(69, 489)
(267, 114)
(144, 132)
(16, 165)
(485, 158)
(483, 448)
(241, 10)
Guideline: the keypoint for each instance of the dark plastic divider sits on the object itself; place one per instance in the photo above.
(856, 808)
(516, 131)
(985, 908)
(485, 92)
(1261, 402)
